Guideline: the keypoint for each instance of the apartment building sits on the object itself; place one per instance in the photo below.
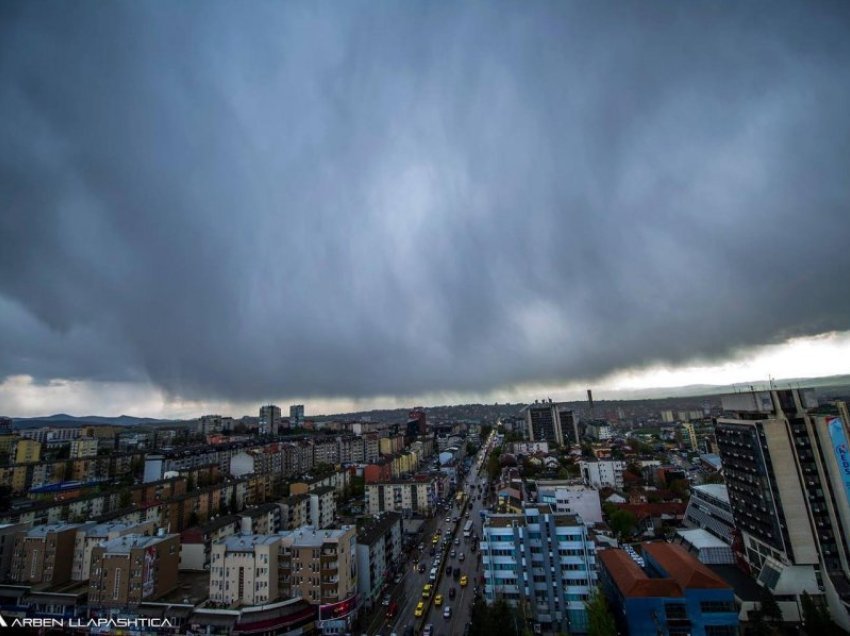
(325, 452)
(320, 566)
(542, 561)
(322, 507)
(371, 447)
(133, 568)
(406, 497)
(27, 451)
(378, 555)
(44, 554)
(709, 509)
(787, 471)
(91, 535)
(294, 512)
(8, 536)
(269, 420)
(601, 473)
(196, 542)
(262, 519)
(83, 447)
(552, 422)
(571, 498)
(244, 569)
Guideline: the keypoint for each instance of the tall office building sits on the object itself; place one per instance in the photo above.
(787, 468)
(417, 414)
(542, 562)
(269, 422)
(296, 415)
(553, 422)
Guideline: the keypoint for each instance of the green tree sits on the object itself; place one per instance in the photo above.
(816, 617)
(623, 523)
(494, 468)
(125, 498)
(600, 619)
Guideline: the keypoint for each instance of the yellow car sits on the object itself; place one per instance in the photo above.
(426, 591)
(463, 581)
(420, 609)
(436, 539)
(438, 600)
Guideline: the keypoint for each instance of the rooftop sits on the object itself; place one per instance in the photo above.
(633, 581)
(247, 542)
(128, 542)
(682, 567)
(378, 529)
(308, 536)
(701, 539)
(42, 531)
(718, 491)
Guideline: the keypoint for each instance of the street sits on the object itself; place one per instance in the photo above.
(409, 592)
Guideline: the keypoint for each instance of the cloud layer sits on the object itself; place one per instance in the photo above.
(343, 199)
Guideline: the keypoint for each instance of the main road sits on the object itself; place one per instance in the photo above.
(409, 592)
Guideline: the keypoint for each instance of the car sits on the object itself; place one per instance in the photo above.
(435, 540)
(433, 551)
(422, 545)
(386, 600)
(457, 573)
(421, 568)
(433, 575)
(429, 630)
(420, 609)
(438, 600)
(448, 570)
(452, 593)
(447, 612)
(392, 610)
(457, 541)
(461, 556)
(453, 554)
(472, 547)
(426, 591)
(463, 580)
(448, 519)
(439, 532)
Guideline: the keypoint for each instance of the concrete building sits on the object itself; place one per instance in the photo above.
(90, 535)
(133, 568)
(262, 519)
(269, 420)
(706, 547)
(417, 414)
(552, 422)
(530, 448)
(599, 430)
(296, 415)
(406, 497)
(244, 569)
(294, 512)
(603, 473)
(574, 499)
(83, 447)
(709, 509)
(27, 451)
(320, 566)
(378, 555)
(8, 535)
(543, 561)
(196, 542)
(690, 435)
(44, 554)
(666, 591)
(322, 507)
(787, 470)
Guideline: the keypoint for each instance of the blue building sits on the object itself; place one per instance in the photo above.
(666, 592)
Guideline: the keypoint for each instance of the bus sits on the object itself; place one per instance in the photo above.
(467, 529)
(459, 498)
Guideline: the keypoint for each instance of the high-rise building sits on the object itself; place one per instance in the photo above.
(296, 415)
(553, 422)
(269, 422)
(787, 469)
(44, 554)
(542, 562)
(691, 435)
(417, 414)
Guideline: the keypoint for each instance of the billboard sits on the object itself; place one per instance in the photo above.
(842, 451)
(148, 583)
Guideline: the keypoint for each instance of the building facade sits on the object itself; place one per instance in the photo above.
(709, 509)
(787, 469)
(379, 553)
(552, 422)
(406, 497)
(603, 473)
(543, 562)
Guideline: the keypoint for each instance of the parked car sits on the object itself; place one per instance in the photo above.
(392, 610)
(386, 600)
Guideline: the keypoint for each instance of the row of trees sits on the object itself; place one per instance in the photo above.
(500, 619)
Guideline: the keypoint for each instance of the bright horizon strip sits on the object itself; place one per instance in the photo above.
(805, 357)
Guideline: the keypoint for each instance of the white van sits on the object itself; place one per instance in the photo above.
(433, 575)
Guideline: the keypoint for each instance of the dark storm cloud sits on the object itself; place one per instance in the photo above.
(393, 198)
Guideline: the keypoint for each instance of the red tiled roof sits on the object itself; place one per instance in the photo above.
(632, 581)
(684, 568)
(644, 510)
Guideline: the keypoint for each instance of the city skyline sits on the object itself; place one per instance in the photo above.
(357, 205)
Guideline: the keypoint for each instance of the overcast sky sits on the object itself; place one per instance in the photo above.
(213, 204)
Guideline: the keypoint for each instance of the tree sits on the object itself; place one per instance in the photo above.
(193, 519)
(816, 617)
(125, 498)
(770, 608)
(622, 522)
(600, 619)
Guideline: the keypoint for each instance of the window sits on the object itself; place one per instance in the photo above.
(675, 610)
(117, 584)
(707, 607)
(720, 630)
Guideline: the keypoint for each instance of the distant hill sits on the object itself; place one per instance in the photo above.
(65, 420)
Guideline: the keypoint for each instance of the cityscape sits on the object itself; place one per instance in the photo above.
(424, 319)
